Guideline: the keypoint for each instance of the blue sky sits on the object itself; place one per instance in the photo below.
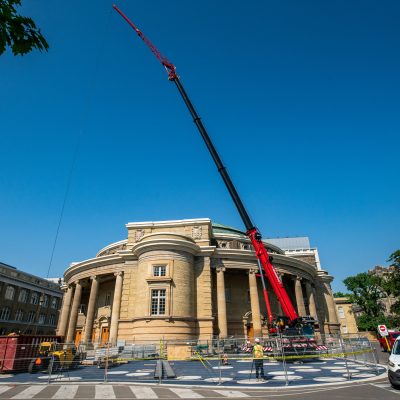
(301, 99)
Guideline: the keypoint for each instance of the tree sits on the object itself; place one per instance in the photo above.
(366, 291)
(18, 32)
(391, 282)
(341, 294)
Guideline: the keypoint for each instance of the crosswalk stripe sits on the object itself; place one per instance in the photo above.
(29, 392)
(186, 393)
(4, 389)
(231, 393)
(104, 392)
(66, 392)
(143, 392)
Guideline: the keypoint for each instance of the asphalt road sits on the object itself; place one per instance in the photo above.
(362, 391)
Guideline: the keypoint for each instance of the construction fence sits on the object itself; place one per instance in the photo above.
(214, 361)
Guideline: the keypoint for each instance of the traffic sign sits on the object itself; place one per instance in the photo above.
(382, 330)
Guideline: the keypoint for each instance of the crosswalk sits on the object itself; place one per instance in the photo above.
(105, 391)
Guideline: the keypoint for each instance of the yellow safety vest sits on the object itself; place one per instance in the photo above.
(258, 351)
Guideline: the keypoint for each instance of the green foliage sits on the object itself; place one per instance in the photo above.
(341, 294)
(392, 281)
(367, 322)
(18, 32)
(366, 291)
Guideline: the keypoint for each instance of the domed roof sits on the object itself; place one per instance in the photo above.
(224, 229)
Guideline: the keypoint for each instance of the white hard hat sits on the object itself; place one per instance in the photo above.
(257, 340)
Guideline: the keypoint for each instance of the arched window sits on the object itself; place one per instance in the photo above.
(10, 292)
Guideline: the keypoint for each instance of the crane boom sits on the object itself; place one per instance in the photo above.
(264, 260)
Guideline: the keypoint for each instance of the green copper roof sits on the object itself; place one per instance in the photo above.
(218, 228)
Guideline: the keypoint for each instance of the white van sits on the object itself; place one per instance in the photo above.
(394, 365)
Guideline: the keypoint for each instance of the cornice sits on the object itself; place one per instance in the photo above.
(82, 266)
(171, 223)
(165, 241)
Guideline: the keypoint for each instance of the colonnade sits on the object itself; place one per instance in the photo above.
(69, 312)
(255, 304)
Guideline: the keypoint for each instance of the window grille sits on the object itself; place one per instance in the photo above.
(5, 313)
(159, 270)
(35, 298)
(19, 315)
(158, 300)
(31, 316)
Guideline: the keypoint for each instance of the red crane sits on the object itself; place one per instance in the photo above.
(264, 260)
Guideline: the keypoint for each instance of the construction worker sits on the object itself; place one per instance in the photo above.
(258, 358)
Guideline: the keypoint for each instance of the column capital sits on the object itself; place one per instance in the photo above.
(220, 269)
(77, 282)
(119, 273)
(252, 271)
(94, 277)
(298, 278)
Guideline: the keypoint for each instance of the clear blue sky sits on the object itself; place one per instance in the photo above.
(300, 97)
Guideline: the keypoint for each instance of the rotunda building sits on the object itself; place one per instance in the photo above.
(186, 279)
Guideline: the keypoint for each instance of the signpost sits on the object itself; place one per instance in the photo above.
(384, 333)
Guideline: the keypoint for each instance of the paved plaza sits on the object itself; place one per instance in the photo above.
(239, 373)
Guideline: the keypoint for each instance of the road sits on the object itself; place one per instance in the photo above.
(362, 391)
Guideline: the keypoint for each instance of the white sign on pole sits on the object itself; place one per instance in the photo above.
(382, 330)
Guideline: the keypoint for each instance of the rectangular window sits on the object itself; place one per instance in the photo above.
(31, 316)
(228, 296)
(5, 313)
(344, 329)
(54, 302)
(107, 301)
(23, 296)
(159, 270)
(341, 312)
(19, 315)
(42, 319)
(10, 291)
(158, 297)
(52, 319)
(45, 301)
(35, 298)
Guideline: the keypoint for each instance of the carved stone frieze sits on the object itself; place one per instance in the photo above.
(196, 232)
(139, 233)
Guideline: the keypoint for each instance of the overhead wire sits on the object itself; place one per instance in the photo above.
(84, 118)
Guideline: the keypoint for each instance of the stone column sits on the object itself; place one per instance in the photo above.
(116, 308)
(74, 313)
(91, 309)
(311, 300)
(254, 302)
(62, 326)
(221, 303)
(301, 309)
(332, 316)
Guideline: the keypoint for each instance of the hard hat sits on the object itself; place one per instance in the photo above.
(257, 340)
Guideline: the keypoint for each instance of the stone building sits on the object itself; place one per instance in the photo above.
(385, 273)
(185, 279)
(28, 304)
(346, 315)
